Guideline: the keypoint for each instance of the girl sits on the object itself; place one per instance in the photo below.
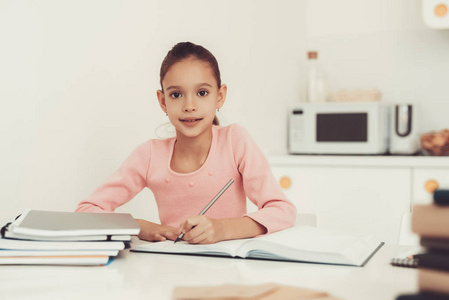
(187, 171)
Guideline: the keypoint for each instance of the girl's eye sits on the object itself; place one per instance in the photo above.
(175, 95)
(203, 93)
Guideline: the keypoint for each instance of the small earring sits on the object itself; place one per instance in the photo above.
(218, 109)
(166, 114)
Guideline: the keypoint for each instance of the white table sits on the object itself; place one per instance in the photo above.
(135, 275)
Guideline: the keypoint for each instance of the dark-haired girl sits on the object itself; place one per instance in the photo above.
(185, 172)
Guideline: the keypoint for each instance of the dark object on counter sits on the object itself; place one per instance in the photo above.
(436, 244)
(433, 261)
(441, 197)
(423, 296)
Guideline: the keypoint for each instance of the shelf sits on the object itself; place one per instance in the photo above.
(381, 161)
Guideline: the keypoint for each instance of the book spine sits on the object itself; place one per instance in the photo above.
(433, 281)
(434, 261)
(441, 197)
(435, 244)
(423, 296)
(431, 220)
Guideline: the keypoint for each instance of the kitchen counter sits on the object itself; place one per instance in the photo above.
(361, 160)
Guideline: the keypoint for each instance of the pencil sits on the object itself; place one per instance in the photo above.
(210, 204)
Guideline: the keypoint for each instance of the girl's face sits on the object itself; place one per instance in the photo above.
(191, 97)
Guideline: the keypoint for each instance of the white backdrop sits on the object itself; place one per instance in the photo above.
(78, 79)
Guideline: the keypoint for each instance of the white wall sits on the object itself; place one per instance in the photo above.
(78, 83)
(383, 44)
(78, 79)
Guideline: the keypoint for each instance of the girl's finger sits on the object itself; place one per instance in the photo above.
(199, 239)
(159, 237)
(190, 223)
(193, 233)
(171, 236)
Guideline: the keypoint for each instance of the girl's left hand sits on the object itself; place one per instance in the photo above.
(202, 230)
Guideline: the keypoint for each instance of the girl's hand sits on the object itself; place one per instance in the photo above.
(203, 230)
(156, 233)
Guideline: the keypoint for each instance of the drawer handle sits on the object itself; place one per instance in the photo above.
(431, 185)
(285, 182)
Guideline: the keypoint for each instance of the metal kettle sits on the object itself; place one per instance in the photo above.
(403, 119)
(403, 137)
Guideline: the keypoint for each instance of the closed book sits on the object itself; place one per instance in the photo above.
(12, 235)
(433, 261)
(436, 281)
(441, 197)
(59, 245)
(78, 260)
(423, 296)
(299, 243)
(266, 291)
(430, 220)
(57, 224)
(435, 243)
(15, 253)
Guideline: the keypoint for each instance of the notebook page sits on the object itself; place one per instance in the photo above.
(227, 248)
(313, 244)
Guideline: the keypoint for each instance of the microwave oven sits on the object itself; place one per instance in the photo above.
(339, 128)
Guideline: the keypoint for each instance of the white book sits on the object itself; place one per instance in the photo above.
(300, 244)
(78, 260)
(15, 253)
(12, 244)
(58, 224)
(12, 235)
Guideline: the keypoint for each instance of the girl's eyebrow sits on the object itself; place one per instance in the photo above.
(173, 87)
(204, 84)
(177, 87)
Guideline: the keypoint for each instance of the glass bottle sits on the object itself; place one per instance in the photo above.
(316, 81)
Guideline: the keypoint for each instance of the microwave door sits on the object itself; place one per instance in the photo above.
(341, 127)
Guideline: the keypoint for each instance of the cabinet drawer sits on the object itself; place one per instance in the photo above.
(424, 180)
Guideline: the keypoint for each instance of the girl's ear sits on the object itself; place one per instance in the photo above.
(161, 99)
(222, 95)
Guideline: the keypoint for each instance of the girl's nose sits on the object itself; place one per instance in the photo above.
(189, 109)
(189, 106)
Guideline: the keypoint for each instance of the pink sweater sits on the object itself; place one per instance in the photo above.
(233, 154)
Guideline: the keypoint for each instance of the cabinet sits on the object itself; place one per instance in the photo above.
(360, 194)
(424, 177)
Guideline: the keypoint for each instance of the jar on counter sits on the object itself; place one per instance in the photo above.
(316, 79)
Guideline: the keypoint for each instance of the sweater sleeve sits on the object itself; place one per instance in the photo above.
(122, 185)
(275, 211)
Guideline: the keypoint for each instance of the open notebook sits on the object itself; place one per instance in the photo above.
(300, 243)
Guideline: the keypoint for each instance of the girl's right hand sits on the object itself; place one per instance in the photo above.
(156, 233)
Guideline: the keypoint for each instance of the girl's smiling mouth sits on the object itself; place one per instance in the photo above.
(190, 120)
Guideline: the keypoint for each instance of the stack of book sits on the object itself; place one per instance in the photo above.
(431, 223)
(65, 238)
